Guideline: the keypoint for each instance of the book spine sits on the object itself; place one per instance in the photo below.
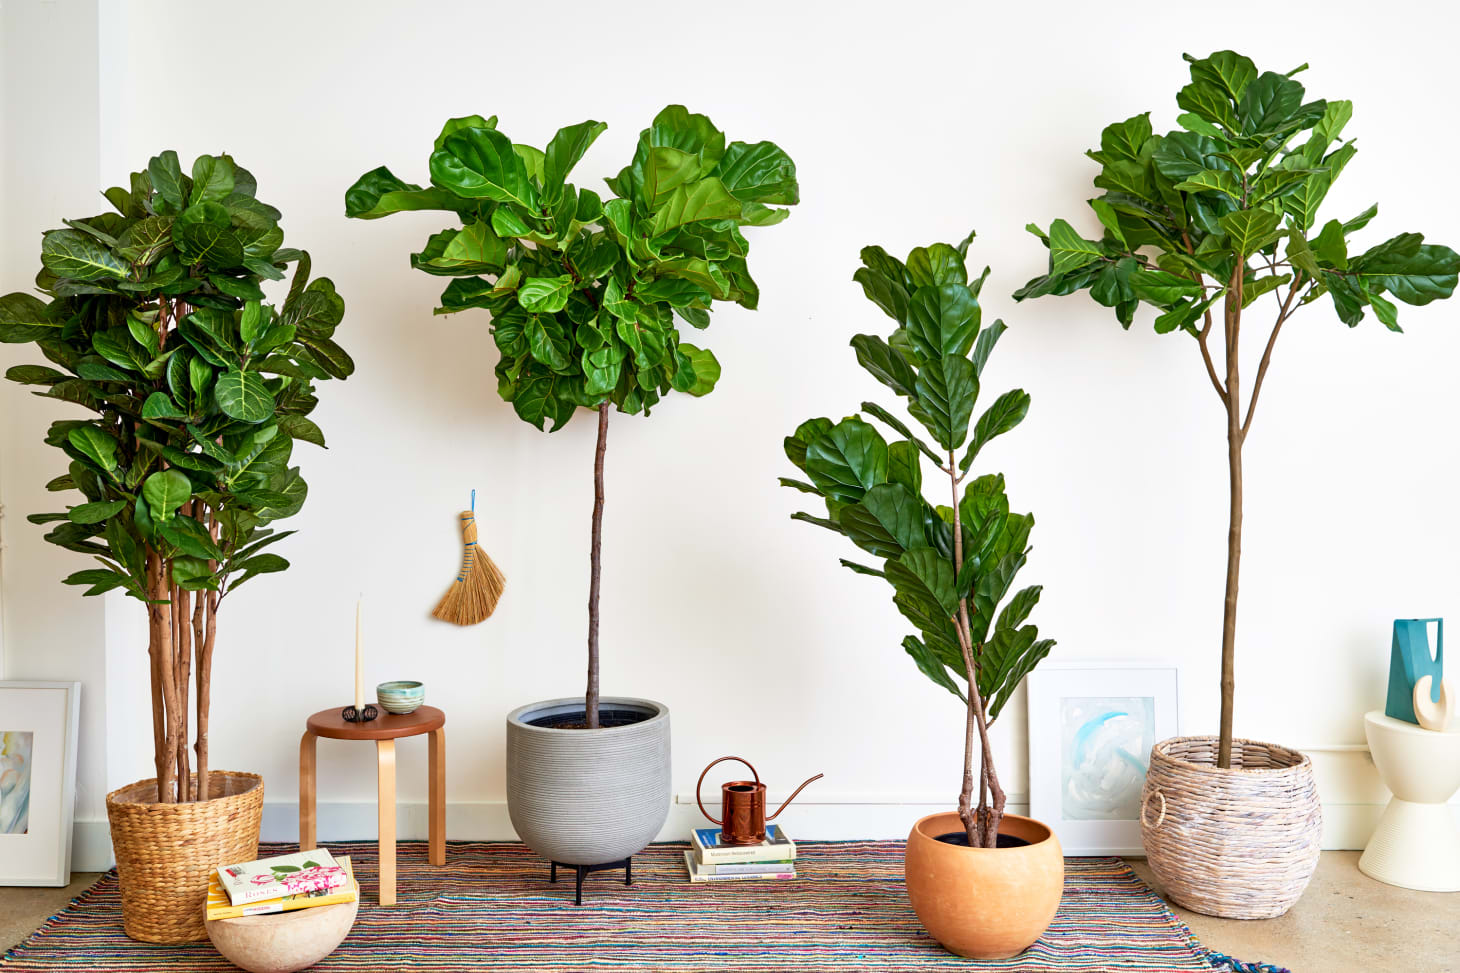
(748, 855)
(748, 868)
(751, 877)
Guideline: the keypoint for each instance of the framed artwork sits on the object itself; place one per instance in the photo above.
(38, 722)
(1091, 729)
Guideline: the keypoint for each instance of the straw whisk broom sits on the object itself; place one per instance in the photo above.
(473, 596)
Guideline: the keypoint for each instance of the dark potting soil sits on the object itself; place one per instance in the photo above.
(607, 718)
(961, 838)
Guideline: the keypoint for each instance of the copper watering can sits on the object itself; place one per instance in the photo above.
(742, 802)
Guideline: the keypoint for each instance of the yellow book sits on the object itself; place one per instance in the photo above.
(220, 908)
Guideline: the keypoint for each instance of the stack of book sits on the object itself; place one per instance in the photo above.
(710, 861)
(303, 880)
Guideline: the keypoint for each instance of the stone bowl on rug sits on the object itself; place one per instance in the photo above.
(401, 696)
(283, 942)
(588, 797)
(984, 903)
(1239, 843)
(165, 852)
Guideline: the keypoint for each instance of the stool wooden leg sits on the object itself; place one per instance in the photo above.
(437, 801)
(307, 841)
(385, 754)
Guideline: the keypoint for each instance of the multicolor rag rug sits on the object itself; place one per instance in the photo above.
(491, 907)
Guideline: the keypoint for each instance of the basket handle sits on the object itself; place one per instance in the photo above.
(1145, 801)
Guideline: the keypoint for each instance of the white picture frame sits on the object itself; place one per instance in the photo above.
(1091, 729)
(38, 728)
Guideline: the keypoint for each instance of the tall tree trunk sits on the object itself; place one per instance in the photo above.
(590, 701)
(205, 631)
(1232, 314)
(159, 623)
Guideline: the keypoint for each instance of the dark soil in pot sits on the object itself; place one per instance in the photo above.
(607, 718)
(960, 838)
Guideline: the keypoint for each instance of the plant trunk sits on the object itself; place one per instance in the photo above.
(1232, 314)
(205, 631)
(590, 700)
(159, 646)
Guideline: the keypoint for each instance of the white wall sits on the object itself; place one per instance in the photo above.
(906, 129)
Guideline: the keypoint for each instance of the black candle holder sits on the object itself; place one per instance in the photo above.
(350, 715)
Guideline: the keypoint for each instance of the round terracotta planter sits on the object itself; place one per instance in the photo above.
(984, 903)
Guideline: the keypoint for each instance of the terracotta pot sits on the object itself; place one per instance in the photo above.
(984, 903)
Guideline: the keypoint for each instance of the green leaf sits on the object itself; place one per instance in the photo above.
(212, 179)
(1068, 250)
(77, 256)
(25, 318)
(1229, 71)
(946, 391)
(190, 537)
(1162, 288)
(924, 573)
(1006, 413)
(545, 295)
(379, 193)
(758, 173)
(704, 366)
(942, 320)
(159, 405)
(882, 414)
(885, 364)
(96, 445)
(165, 491)
(1212, 180)
(566, 148)
(480, 163)
(34, 375)
(243, 395)
(1414, 273)
(931, 666)
(707, 199)
(166, 176)
(95, 513)
(847, 460)
(1251, 229)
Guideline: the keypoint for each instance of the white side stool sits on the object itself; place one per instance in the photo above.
(1416, 844)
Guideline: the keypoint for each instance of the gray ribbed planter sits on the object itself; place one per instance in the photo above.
(588, 797)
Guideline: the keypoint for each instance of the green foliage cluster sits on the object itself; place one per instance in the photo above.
(585, 292)
(158, 325)
(1231, 198)
(873, 489)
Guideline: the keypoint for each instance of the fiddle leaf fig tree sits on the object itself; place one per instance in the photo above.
(1206, 220)
(951, 566)
(155, 322)
(588, 293)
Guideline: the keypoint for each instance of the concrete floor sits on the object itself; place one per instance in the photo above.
(1345, 921)
(22, 910)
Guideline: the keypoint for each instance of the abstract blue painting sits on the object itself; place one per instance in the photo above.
(15, 752)
(1104, 744)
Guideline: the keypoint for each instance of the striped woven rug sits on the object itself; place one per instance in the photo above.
(491, 908)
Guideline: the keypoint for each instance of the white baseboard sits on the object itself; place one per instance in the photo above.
(1345, 826)
(91, 846)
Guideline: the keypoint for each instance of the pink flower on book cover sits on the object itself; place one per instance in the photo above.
(311, 879)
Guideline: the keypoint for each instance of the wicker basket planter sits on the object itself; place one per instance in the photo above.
(165, 851)
(1239, 843)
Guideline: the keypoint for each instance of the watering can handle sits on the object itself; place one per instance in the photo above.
(786, 803)
(700, 783)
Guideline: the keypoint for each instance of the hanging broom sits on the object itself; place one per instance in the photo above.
(473, 596)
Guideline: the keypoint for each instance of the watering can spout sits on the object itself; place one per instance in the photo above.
(787, 802)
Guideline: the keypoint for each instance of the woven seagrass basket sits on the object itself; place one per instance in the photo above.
(165, 851)
(1239, 843)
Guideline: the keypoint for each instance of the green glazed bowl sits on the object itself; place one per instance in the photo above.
(401, 696)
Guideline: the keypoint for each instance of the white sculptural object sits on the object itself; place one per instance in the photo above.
(1439, 716)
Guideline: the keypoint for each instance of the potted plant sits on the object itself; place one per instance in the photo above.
(984, 883)
(157, 324)
(587, 297)
(1200, 223)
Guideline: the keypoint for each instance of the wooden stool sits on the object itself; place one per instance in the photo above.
(384, 730)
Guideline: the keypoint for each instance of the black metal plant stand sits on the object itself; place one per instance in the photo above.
(627, 864)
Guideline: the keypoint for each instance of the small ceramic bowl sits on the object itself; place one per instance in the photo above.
(401, 696)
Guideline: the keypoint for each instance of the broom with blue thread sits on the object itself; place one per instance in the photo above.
(473, 596)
